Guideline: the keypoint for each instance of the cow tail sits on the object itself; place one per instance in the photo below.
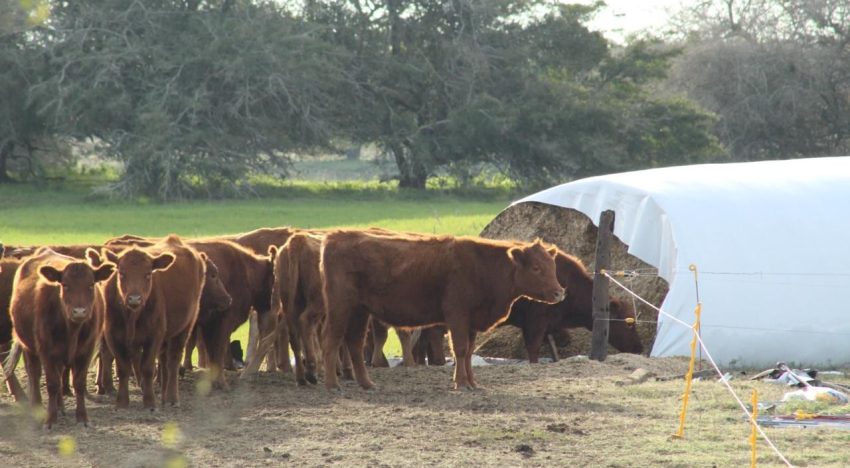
(9, 365)
(12, 359)
(292, 282)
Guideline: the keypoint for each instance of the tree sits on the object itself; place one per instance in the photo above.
(21, 128)
(538, 95)
(776, 72)
(190, 96)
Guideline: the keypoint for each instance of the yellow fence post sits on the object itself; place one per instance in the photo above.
(690, 375)
(754, 433)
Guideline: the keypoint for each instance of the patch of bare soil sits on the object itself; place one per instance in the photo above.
(528, 415)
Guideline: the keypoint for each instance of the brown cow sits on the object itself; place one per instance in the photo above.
(58, 311)
(214, 298)
(259, 241)
(298, 290)
(537, 319)
(19, 253)
(152, 305)
(215, 301)
(297, 299)
(467, 283)
(246, 276)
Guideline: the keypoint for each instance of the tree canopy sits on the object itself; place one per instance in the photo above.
(192, 97)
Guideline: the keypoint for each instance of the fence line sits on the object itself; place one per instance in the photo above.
(713, 364)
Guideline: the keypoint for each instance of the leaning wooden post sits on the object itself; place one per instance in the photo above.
(253, 338)
(601, 312)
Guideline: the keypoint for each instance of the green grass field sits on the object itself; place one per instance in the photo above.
(65, 213)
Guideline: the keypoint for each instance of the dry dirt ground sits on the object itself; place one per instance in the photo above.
(563, 414)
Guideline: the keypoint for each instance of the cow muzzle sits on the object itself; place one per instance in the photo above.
(134, 300)
(79, 313)
(558, 295)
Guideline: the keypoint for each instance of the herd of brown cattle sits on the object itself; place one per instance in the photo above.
(145, 303)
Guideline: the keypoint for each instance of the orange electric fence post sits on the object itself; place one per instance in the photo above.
(754, 434)
(689, 378)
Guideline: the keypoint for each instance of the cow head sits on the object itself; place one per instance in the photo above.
(534, 272)
(135, 274)
(214, 296)
(77, 282)
(622, 331)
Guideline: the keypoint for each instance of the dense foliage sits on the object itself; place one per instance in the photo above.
(191, 97)
(775, 72)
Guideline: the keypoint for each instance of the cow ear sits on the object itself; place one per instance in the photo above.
(109, 255)
(163, 261)
(52, 275)
(517, 255)
(553, 251)
(104, 272)
(94, 258)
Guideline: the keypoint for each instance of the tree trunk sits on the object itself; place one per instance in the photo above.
(6, 151)
(412, 174)
(412, 181)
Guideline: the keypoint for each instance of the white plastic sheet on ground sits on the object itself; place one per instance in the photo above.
(771, 241)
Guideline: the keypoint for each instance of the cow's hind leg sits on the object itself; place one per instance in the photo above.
(434, 339)
(173, 350)
(307, 324)
(81, 367)
(53, 379)
(380, 333)
(66, 382)
(333, 335)
(124, 367)
(190, 348)
(460, 348)
(147, 367)
(533, 332)
(105, 359)
(214, 336)
(405, 338)
(468, 362)
(33, 365)
(355, 335)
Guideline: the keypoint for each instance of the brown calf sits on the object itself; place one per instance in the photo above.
(537, 319)
(57, 311)
(152, 305)
(468, 284)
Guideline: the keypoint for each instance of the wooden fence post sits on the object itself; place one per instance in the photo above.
(601, 312)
